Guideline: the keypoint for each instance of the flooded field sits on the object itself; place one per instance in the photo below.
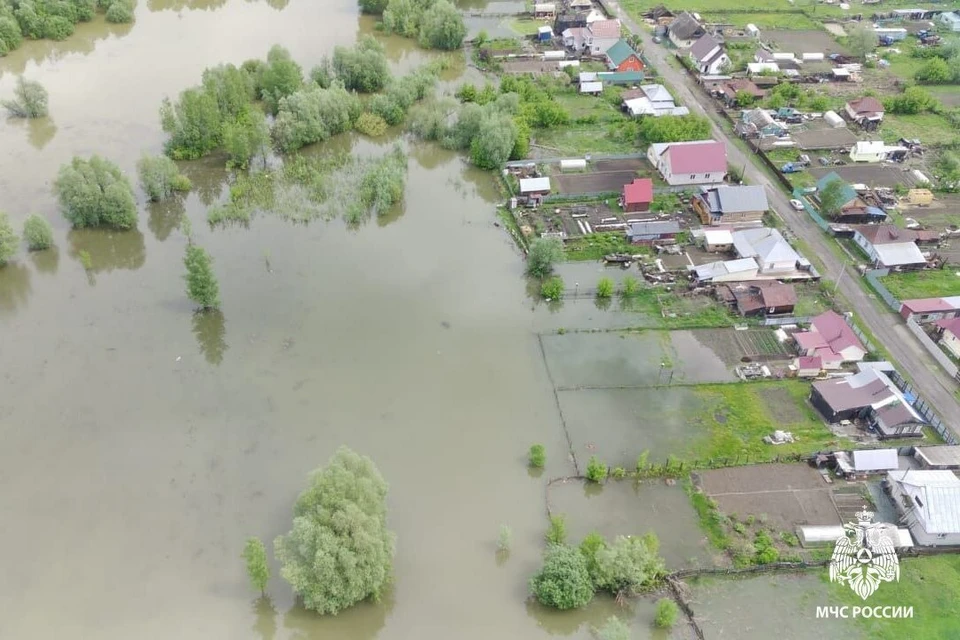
(625, 508)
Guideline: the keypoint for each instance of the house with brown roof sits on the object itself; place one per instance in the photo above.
(867, 112)
(832, 339)
(931, 309)
(728, 90)
(869, 396)
(761, 298)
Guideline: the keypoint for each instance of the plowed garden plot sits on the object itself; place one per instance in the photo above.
(872, 175)
(603, 176)
(753, 345)
(789, 494)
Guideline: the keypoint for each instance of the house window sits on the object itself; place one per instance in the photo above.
(693, 177)
(941, 535)
(919, 502)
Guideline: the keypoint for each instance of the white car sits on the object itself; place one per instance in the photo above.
(796, 204)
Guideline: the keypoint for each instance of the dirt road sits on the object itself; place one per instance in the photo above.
(916, 364)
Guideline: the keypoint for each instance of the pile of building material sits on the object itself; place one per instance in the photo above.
(779, 437)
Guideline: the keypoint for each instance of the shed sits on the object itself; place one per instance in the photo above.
(921, 197)
(554, 55)
(834, 120)
(544, 33)
(811, 57)
(573, 164)
(939, 457)
(534, 186)
(544, 10)
(875, 460)
(646, 232)
(594, 88)
(783, 55)
(808, 366)
(752, 31)
(637, 195)
(756, 68)
(717, 240)
(825, 535)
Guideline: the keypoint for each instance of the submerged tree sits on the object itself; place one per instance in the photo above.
(245, 138)
(339, 550)
(257, 568)
(9, 242)
(563, 581)
(202, 285)
(442, 27)
(280, 77)
(373, 6)
(38, 233)
(94, 193)
(29, 101)
(629, 565)
(544, 252)
(160, 177)
(194, 124)
(362, 68)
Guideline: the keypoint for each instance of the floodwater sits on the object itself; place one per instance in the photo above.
(143, 444)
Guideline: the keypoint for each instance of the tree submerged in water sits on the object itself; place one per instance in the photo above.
(95, 193)
(202, 285)
(29, 100)
(339, 551)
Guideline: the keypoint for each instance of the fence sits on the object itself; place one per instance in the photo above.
(593, 158)
(924, 409)
(814, 215)
(873, 277)
(860, 334)
(779, 322)
(948, 365)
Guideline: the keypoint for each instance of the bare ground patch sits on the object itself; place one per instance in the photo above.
(782, 407)
(872, 175)
(808, 41)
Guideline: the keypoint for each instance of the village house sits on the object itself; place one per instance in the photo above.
(928, 503)
(621, 77)
(759, 123)
(591, 88)
(727, 91)
(869, 396)
(852, 208)
(622, 57)
(950, 335)
(875, 151)
(708, 55)
(580, 5)
(545, 10)
(859, 464)
(771, 251)
(808, 366)
(685, 30)
(930, 309)
(650, 232)
(830, 338)
(651, 100)
(698, 162)
(534, 186)
(738, 205)
(943, 456)
(866, 111)
(600, 35)
(636, 196)
(890, 246)
(759, 298)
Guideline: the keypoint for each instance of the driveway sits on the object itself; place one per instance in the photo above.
(915, 363)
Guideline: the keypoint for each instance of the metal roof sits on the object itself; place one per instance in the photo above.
(656, 93)
(591, 87)
(940, 456)
(939, 492)
(742, 198)
(899, 254)
(875, 460)
(718, 236)
(766, 244)
(653, 228)
(703, 47)
(620, 52)
(532, 185)
(725, 267)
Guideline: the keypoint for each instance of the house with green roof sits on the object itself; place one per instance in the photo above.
(849, 207)
(622, 57)
(621, 77)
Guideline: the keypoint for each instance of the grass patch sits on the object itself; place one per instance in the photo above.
(811, 300)
(710, 519)
(584, 106)
(930, 127)
(597, 245)
(934, 283)
(743, 415)
(525, 27)
(576, 140)
(777, 20)
(930, 585)
(670, 311)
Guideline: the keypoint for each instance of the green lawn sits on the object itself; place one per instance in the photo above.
(930, 585)
(581, 106)
(525, 27)
(928, 127)
(576, 140)
(934, 283)
(768, 21)
(597, 245)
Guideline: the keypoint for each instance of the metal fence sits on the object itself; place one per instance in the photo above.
(860, 334)
(779, 322)
(948, 365)
(814, 215)
(873, 277)
(924, 409)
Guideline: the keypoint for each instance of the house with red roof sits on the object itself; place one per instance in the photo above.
(950, 335)
(697, 162)
(808, 366)
(930, 309)
(831, 339)
(637, 195)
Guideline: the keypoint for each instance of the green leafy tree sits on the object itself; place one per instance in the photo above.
(557, 532)
(596, 470)
(245, 138)
(375, 7)
(613, 629)
(912, 101)
(404, 17)
(257, 568)
(674, 129)
(831, 198)
(862, 41)
(9, 242)
(667, 613)
(381, 185)
(202, 285)
(604, 288)
(120, 11)
(537, 456)
(552, 288)
(280, 77)
(95, 193)
(544, 253)
(29, 100)
(934, 71)
(194, 124)
(370, 125)
(10, 35)
(629, 565)
(744, 99)
(339, 550)
(160, 178)
(442, 27)
(362, 68)
(234, 89)
(589, 547)
(38, 233)
(323, 73)
(313, 115)
(492, 146)
(819, 103)
(563, 581)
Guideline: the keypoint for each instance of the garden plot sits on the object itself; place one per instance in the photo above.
(872, 175)
(602, 176)
(625, 508)
(788, 494)
(734, 347)
(816, 135)
(803, 41)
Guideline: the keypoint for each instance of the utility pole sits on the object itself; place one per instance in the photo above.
(843, 270)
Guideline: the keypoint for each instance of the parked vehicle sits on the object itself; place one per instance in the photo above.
(796, 204)
(791, 167)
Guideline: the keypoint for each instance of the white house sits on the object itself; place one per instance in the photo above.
(951, 20)
(868, 151)
(600, 35)
(708, 55)
(768, 247)
(697, 162)
(929, 504)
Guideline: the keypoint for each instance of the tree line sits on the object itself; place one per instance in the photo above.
(53, 19)
(435, 24)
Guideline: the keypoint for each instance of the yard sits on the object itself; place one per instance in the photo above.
(929, 128)
(602, 176)
(872, 175)
(931, 283)
(578, 139)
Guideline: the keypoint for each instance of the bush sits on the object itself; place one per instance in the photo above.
(442, 27)
(563, 582)
(373, 6)
(613, 629)
(29, 101)
(629, 565)
(557, 532)
(94, 193)
(912, 101)
(362, 68)
(245, 138)
(160, 178)
(57, 28)
(629, 287)
(740, 528)
(642, 462)
(370, 125)
(618, 473)
(494, 142)
(313, 115)
(589, 547)
(381, 186)
(202, 285)
(504, 538)
(552, 288)
(934, 71)
(194, 123)
(38, 233)
(537, 456)
(120, 12)
(667, 613)
(544, 253)
(9, 242)
(339, 550)
(280, 77)
(10, 35)
(604, 288)
(596, 470)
